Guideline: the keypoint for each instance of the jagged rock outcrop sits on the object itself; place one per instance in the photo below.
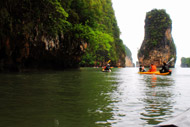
(128, 58)
(121, 61)
(128, 62)
(158, 45)
(24, 52)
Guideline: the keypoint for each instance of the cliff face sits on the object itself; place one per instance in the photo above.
(41, 52)
(158, 45)
(36, 34)
(58, 34)
(128, 62)
(128, 58)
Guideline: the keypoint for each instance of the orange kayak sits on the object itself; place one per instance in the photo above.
(156, 73)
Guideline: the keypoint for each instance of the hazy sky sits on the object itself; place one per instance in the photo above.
(130, 15)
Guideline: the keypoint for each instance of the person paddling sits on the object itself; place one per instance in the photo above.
(142, 69)
(164, 68)
(152, 68)
(107, 67)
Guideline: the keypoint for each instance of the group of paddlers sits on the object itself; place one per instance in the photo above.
(153, 68)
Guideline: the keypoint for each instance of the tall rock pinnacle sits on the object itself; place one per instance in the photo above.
(158, 45)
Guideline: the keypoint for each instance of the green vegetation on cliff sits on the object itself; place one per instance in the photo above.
(157, 21)
(129, 54)
(158, 44)
(185, 62)
(58, 32)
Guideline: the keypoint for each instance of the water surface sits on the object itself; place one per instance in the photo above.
(87, 97)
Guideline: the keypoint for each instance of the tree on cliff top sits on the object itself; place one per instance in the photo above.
(156, 23)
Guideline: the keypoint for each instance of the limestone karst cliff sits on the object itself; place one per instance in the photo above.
(128, 58)
(128, 62)
(58, 34)
(158, 45)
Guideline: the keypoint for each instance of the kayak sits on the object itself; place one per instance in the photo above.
(103, 70)
(181, 120)
(156, 73)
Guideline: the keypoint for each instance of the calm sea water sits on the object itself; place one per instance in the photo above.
(87, 97)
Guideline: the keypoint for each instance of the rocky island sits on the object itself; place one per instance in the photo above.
(158, 45)
(185, 62)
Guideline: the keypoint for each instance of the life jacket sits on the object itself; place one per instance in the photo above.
(153, 68)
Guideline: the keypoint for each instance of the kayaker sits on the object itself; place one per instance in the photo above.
(152, 68)
(107, 67)
(142, 69)
(164, 68)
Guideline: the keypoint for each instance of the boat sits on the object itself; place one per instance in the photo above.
(103, 70)
(181, 120)
(156, 73)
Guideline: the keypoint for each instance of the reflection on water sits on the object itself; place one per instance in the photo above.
(158, 98)
(88, 97)
(56, 99)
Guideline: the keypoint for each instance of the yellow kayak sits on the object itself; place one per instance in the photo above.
(103, 70)
(156, 73)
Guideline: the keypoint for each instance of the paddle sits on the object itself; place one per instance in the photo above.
(108, 61)
(170, 60)
(108, 66)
